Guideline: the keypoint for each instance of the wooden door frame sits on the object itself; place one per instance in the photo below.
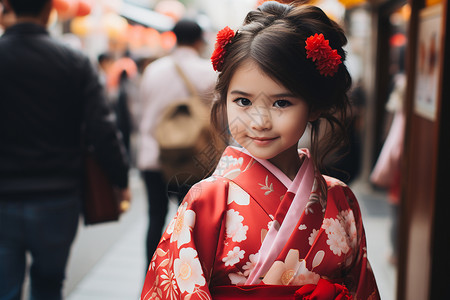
(424, 240)
(440, 263)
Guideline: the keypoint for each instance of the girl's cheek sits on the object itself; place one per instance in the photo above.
(235, 130)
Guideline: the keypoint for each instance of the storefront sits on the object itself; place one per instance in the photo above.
(409, 39)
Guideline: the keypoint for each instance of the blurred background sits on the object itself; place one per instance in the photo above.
(107, 261)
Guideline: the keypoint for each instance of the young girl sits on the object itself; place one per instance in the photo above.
(267, 224)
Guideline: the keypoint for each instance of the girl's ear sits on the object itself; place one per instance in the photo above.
(314, 115)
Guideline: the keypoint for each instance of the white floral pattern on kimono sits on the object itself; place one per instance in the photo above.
(216, 236)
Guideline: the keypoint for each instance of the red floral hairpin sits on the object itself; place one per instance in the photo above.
(318, 49)
(224, 37)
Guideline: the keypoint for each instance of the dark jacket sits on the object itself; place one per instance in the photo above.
(48, 94)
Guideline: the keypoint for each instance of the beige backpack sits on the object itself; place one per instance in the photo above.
(185, 138)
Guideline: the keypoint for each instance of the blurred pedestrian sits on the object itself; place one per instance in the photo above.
(387, 170)
(386, 173)
(104, 61)
(51, 106)
(160, 86)
(118, 82)
(7, 17)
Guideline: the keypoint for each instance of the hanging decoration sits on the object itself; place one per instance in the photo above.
(119, 32)
(84, 8)
(135, 36)
(81, 26)
(152, 37)
(69, 9)
(168, 40)
(171, 8)
(114, 25)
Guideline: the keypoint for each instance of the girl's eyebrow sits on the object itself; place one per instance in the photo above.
(281, 95)
(240, 93)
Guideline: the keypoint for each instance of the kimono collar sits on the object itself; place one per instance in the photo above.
(286, 221)
(284, 179)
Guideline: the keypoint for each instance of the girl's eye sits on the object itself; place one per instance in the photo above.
(281, 103)
(243, 102)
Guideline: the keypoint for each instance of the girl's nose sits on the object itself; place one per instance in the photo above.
(260, 118)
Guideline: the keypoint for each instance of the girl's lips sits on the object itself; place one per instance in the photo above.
(262, 140)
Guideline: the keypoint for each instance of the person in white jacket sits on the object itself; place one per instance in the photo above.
(160, 86)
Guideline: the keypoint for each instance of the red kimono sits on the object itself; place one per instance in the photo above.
(215, 244)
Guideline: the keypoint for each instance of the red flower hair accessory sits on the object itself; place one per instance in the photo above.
(318, 49)
(224, 37)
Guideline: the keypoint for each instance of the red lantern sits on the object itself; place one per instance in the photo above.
(84, 8)
(135, 34)
(66, 9)
(81, 26)
(168, 40)
(152, 37)
(398, 40)
(61, 5)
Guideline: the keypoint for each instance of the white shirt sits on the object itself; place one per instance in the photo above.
(160, 86)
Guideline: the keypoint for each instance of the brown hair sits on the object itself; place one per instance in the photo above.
(273, 36)
(28, 7)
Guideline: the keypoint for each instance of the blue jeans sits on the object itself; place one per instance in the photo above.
(44, 226)
(158, 193)
(158, 201)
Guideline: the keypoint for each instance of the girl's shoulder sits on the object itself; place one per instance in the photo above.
(340, 194)
(208, 192)
(332, 182)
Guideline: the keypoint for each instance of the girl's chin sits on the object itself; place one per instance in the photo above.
(261, 153)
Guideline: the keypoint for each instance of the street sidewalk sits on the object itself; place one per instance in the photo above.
(377, 216)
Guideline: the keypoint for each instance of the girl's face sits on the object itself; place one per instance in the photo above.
(265, 117)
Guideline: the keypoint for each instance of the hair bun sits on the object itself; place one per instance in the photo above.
(274, 8)
(267, 13)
